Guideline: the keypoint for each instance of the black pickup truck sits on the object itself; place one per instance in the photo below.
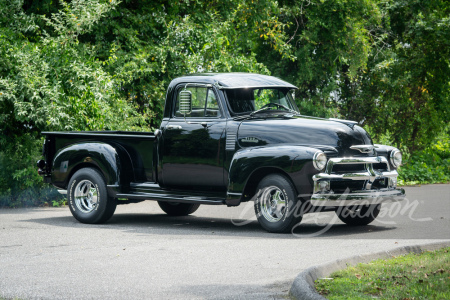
(227, 139)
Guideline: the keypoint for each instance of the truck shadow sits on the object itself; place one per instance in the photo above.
(162, 224)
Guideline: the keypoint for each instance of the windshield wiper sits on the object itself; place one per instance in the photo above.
(268, 105)
(289, 110)
(259, 110)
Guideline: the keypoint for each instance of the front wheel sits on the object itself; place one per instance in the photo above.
(178, 209)
(358, 215)
(276, 204)
(88, 198)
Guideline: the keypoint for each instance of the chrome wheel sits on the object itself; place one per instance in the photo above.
(273, 204)
(86, 196)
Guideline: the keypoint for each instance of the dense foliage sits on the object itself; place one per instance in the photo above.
(431, 165)
(406, 87)
(105, 65)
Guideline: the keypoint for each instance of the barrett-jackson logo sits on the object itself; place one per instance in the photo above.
(250, 139)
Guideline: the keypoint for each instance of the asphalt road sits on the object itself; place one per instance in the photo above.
(217, 253)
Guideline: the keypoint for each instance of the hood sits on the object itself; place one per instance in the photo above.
(327, 135)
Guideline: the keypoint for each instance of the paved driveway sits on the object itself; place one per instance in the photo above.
(144, 254)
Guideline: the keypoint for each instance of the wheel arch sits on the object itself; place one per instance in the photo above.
(250, 165)
(83, 166)
(110, 161)
(258, 175)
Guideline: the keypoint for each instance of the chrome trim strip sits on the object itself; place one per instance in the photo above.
(234, 194)
(356, 160)
(104, 134)
(208, 85)
(372, 175)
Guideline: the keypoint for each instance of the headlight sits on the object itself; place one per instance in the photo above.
(319, 160)
(396, 158)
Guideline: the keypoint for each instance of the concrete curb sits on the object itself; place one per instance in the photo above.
(303, 285)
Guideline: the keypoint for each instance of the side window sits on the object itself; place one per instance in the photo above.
(204, 103)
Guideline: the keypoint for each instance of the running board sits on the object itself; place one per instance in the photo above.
(151, 191)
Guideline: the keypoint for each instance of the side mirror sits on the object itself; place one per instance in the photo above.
(185, 102)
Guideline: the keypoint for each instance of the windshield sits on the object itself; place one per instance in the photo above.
(248, 100)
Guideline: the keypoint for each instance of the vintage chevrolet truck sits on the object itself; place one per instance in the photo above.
(227, 138)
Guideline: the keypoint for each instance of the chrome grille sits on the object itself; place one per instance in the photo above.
(355, 173)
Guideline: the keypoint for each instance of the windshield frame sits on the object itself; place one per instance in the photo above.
(285, 90)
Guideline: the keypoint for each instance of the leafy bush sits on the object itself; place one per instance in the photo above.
(105, 65)
(20, 185)
(431, 165)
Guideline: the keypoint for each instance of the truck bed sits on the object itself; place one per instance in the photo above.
(139, 147)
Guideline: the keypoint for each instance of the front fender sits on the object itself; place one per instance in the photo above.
(109, 160)
(384, 150)
(294, 161)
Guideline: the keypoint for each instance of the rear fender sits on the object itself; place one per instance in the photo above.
(112, 161)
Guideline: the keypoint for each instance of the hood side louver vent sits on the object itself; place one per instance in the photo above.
(231, 142)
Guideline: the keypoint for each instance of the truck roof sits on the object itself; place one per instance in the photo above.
(234, 80)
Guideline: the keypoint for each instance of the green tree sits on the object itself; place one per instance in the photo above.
(331, 42)
(105, 65)
(406, 88)
(51, 81)
(153, 42)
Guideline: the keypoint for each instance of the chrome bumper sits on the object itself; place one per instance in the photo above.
(369, 197)
(323, 196)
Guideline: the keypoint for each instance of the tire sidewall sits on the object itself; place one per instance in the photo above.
(290, 218)
(364, 216)
(178, 209)
(93, 176)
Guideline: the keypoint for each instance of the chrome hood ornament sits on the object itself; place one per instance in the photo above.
(363, 148)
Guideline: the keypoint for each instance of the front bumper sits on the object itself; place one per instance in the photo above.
(367, 178)
(358, 198)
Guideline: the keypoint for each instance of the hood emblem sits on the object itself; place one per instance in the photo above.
(363, 148)
(250, 139)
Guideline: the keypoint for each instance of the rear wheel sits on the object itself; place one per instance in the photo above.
(88, 198)
(358, 215)
(178, 209)
(277, 207)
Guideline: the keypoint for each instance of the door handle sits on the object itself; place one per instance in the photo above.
(171, 127)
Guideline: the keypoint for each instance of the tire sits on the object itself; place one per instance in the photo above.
(88, 199)
(178, 209)
(358, 215)
(280, 216)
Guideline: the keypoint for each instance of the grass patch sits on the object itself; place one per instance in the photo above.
(412, 276)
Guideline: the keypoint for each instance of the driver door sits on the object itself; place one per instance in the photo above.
(193, 147)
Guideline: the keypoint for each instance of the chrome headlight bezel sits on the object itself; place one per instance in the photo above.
(396, 158)
(320, 161)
